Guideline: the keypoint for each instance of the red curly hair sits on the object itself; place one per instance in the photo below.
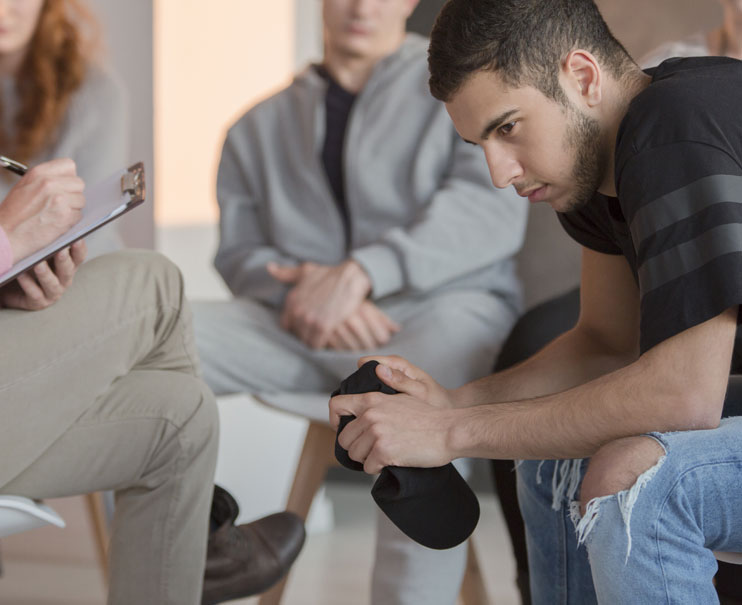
(53, 69)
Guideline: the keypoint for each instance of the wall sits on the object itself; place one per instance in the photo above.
(642, 25)
(128, 32)
(639, 24)
(307, 31)
(210, 65)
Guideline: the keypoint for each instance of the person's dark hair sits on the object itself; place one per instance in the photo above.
(524, 41)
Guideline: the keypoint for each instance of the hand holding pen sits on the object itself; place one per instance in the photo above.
(45, 203)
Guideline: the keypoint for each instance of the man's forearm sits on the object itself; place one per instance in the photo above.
(570, 360)
(677, 385)
(574, 423)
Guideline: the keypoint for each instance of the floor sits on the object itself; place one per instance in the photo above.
(58, 567)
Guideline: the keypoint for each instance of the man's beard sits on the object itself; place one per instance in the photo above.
(583, 139)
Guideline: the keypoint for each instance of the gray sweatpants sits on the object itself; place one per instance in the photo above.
(101, 392)
(454, 336)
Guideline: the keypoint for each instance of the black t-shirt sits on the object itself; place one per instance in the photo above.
(678, 215)
(338, 105)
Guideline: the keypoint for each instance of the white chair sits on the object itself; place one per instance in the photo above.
(729, 557)
(19, 514)
(317, 457)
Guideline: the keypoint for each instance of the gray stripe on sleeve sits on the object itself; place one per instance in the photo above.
(689, 256)
(684, 202)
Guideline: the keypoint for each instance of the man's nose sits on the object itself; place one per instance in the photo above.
(362, 8)
(504, 168)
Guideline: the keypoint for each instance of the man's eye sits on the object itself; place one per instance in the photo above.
(506, 129)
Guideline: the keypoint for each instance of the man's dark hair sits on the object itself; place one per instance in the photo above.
(524, 41)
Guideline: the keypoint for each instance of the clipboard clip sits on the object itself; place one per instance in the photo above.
(132, 182)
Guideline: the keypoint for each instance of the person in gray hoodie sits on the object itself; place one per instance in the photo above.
(353, 219)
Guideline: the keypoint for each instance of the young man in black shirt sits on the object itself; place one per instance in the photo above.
(645, 170)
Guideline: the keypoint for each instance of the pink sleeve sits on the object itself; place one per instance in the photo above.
(6, 252)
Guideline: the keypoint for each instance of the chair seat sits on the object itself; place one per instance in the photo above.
(18, 514)
(313, 406)
(729, 557)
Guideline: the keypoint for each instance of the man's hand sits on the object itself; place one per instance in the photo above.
(368, 328)
(45, 203)
(393, 430)
(40, 287)
(404, 377)
(322, 298)
(411, 428)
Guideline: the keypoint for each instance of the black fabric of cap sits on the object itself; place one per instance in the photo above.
(433, 506)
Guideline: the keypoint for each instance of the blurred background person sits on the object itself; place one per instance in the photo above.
(725, 40)
(56, 99)
(355, 220)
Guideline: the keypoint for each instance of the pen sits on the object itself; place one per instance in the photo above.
(13, 166)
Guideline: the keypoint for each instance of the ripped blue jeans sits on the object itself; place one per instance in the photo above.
(652, 543)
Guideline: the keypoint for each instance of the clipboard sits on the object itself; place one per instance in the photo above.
(104, 202)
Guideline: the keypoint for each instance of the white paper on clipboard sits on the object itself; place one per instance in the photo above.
(104, 202)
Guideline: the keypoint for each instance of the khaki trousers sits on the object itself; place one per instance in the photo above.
(101, 391)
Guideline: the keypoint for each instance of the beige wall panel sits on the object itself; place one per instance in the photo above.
(643, 24)
(127, 29)
(211, 63)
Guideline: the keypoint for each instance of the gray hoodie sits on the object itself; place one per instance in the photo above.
(424, 215)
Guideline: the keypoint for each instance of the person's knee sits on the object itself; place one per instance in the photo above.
(201, 430)
(160, 270)
(146, 273)
(147, 262)
(189, 408)
(616, 466)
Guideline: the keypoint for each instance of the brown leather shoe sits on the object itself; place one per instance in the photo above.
(248, 559)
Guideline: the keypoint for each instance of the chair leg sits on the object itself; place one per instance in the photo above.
(97, 514)
(317, 456)
(473, 591)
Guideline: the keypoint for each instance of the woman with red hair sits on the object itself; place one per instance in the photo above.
(55, 99)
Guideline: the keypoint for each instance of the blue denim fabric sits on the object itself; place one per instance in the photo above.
(559, 570)
(681, 510)
(691, 507)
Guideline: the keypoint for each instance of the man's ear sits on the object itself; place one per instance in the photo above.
(582, 74)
